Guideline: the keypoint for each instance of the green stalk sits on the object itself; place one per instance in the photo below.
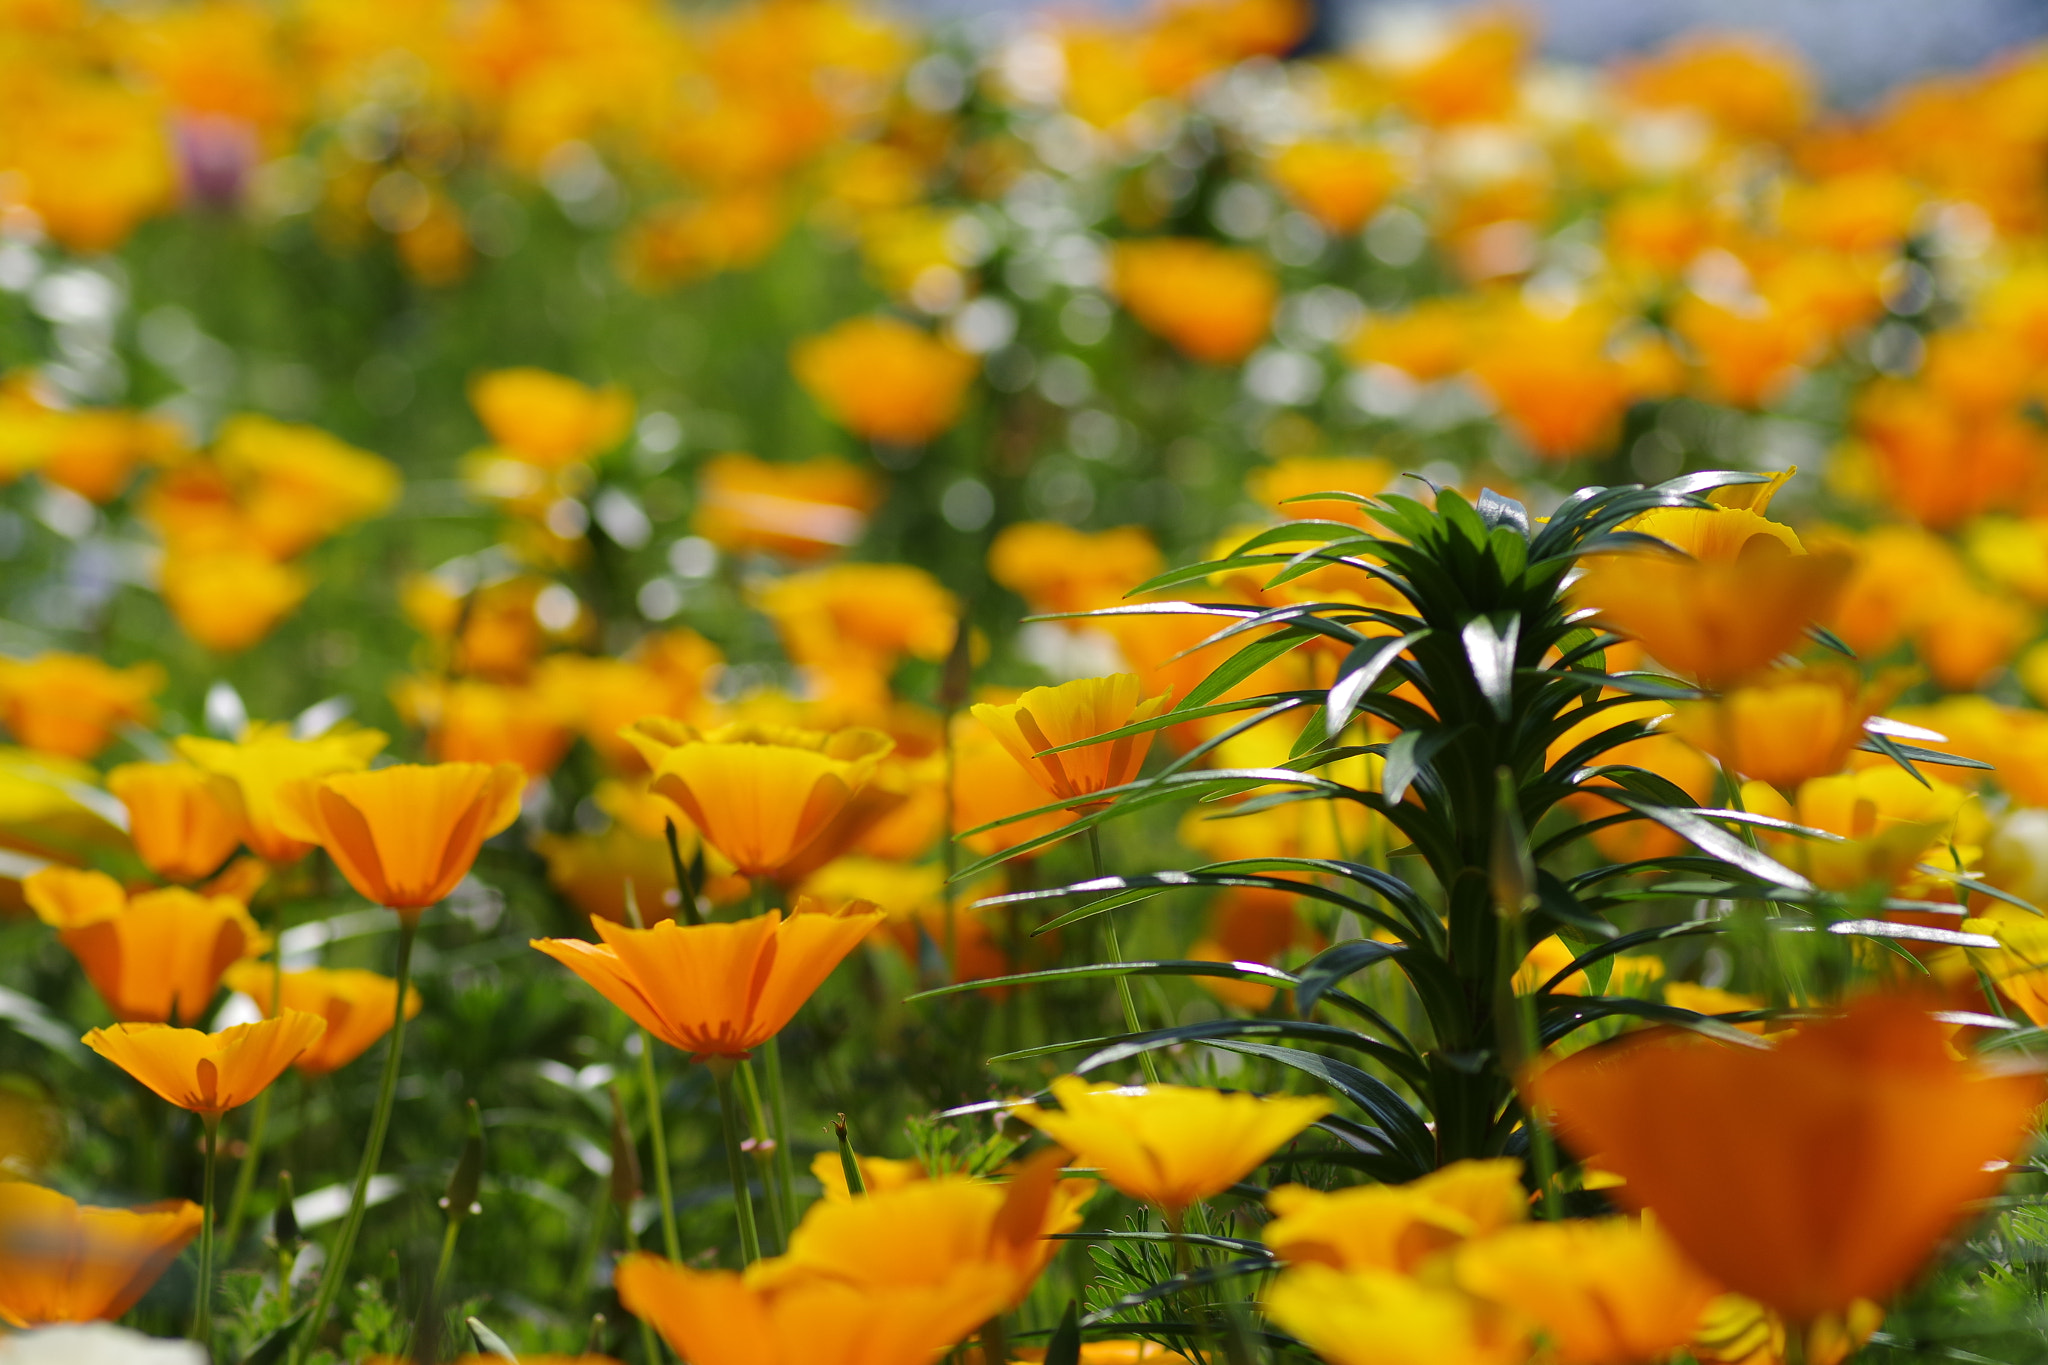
(778, 1104)
(259, 1121)
(202, 1308)
(785, 1169)
(1116, 955)
(728, 1112)
(657, 1134)
(764, 1153)
(336, 1273)
(245, 1175)
(447, 1260)
(657, 1131)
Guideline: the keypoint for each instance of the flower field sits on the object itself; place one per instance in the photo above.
(753, 684)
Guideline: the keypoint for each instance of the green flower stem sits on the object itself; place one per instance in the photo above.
(764, 1153)
(202, 1307)
(1116, 955)
(657, 1134)
(259, 1119)
(728, 1113)
(332, 1278)
(447, 1259)
(778, 1106)
(245, 1174)
(785, 1169)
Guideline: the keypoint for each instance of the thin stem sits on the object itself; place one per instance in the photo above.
(448, 1239)
(202, 1308)
(1524, 1048)
(764, 1152)
(650, 1086)
(657, 1134)
(778, 1105)
(245, 1174)
(743, 1202)
(259, 1121)
(1116, 955)
(336, 1272)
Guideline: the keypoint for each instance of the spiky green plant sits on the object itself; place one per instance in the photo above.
(1498, 669)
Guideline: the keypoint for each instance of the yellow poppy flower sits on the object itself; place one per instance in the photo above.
(1171, 1145)
(183, 820)
(264, 761)
(359, 1007)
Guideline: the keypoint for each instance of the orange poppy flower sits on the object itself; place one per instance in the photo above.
(916, 1266)
(153, 959)
(183, 820)
(1395, 1227)
(1339, 184)
(208, 1073)
(404, 835)
(1374, 1317)
(716, 990)
(229, 599)
(1057, 568)
(804, 511)
(988, 785)
(1171, 1145)
(359, 1007)
(1606, 1291)
(1807, 1176)
(1046, 717)
(264, 761)
(759, 794)
(69, 704)
(1214, 303)
(884, 379)
(469, 720)
(62, 1261)
(1788, 725)
(1715, 620)
(549, 419)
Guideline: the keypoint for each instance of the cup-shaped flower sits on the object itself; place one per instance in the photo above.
(1715, 620)
(1606, 1291)
(1376, 1317)
(957, 1221)
(720, 1318)
(716, 990)
(208, 1073)
(62, 1261)
(1045, 718)
(359, 1007)
(266, 760)
(1395, 1227)
(884, 379)
(759, 794)
(69, 704)
(549, 419)
(182, 819)
(802, 511)
(1786, 725)
(228, 599)
(404, 835)
(1171, 1145)
(895, 1276)
(1807, 1176)
(153, 959)
(1888, 821)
